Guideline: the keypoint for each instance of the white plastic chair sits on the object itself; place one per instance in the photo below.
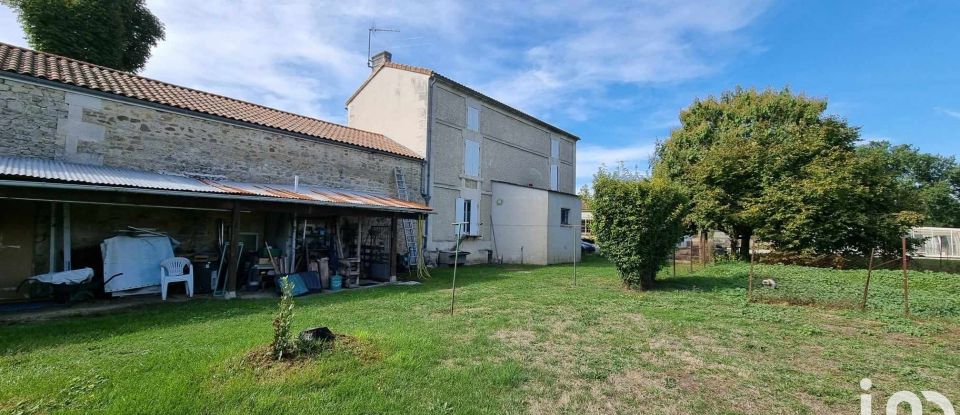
(171, 270)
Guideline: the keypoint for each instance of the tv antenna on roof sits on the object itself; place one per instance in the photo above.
(374, 29)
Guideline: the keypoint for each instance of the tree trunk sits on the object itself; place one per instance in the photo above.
(646, 283)
(744, 253)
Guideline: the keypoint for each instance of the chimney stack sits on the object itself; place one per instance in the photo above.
(380, 59)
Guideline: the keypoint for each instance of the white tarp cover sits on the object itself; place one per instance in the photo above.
(75, 276)
(138, 258)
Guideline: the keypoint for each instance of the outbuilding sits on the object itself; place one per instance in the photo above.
(88, 153)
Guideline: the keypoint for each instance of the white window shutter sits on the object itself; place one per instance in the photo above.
(474, 218)
(554, 177)
(473, 118)
(471, 158)
(458, 215)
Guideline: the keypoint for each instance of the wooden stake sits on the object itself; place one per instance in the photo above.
(703, 248)
(906, 281)
(866, 287)
(674, 261)
(690, 255)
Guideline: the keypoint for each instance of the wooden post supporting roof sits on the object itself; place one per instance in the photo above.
(230, 284)
(393, 247)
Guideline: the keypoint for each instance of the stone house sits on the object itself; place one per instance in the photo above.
(508, 177)
(88, 152)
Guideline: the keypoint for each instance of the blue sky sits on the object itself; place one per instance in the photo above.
(615, 73)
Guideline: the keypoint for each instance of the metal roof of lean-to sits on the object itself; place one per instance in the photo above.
(61, 171)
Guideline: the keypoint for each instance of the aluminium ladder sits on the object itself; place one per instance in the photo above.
(409, 234)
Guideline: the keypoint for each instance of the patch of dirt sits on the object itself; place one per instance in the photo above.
(815, 405)
(519, 338)
(809, 302)
(660, 391)
(678, 372)
(261, 357)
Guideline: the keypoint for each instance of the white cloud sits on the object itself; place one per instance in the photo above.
(552, 58)
(948, 112)
(300, 56)
(639, 43)
(591, 157)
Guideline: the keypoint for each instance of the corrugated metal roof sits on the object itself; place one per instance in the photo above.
(61, 171)
(75, 172)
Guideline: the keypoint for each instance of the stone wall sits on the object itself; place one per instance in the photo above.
(47, 122)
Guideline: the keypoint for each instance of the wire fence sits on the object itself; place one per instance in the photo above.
(905, 284)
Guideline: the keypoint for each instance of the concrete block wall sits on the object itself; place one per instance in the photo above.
(512, 150)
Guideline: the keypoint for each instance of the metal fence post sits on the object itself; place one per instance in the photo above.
(576, 250)
(750, 284)
(456, 259)
(906, 281)
(674, 261)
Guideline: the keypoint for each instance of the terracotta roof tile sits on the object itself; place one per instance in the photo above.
(70, 71)
(410, 68)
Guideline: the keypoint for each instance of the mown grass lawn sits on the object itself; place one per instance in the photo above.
(523, 340)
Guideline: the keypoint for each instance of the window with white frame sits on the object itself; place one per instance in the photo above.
(468, 212)
(473, 118)
(471, 158)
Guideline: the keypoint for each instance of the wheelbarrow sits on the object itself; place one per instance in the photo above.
(64, 287)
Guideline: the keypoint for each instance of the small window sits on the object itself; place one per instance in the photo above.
(473, 118)
(564, 216)
(471, 158)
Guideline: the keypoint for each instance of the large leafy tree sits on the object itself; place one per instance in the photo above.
(113, 33)
(772, 164)
(843, 201)
(933, 180)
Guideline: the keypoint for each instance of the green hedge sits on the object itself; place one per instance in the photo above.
(637, 222)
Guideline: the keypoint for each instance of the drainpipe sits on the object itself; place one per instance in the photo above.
(427, 164)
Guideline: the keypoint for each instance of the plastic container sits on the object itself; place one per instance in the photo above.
(336, 282)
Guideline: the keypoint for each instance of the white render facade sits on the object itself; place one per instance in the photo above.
(481, 157)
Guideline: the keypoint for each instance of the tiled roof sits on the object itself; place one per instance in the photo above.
(411, 68)
(431, 73)
(70, 71)
(116, 177)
